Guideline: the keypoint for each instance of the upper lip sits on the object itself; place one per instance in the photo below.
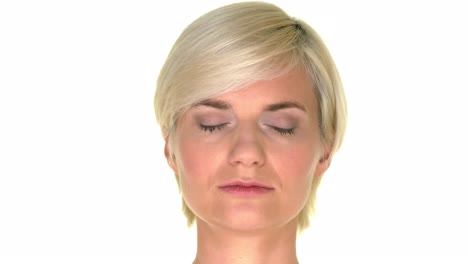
(246, 184)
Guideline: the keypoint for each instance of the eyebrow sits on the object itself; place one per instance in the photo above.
(284, 105)
(222, 105)
(214, 104)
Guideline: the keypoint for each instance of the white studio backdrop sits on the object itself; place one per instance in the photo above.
(83, 177)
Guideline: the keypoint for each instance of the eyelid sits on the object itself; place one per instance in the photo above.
(281, 119)
(284, 131)
(211, 116)
(285, 125)
(212, 128)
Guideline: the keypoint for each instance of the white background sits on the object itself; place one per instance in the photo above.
(82, 173)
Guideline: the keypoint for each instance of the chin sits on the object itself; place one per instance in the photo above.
(249, 221)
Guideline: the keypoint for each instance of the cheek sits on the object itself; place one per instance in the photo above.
(189, 160)
(296, 173)
(196, 164)
(296, 167)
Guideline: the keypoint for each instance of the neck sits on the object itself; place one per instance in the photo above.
(217, 244)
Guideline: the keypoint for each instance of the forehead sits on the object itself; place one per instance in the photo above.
(296, 86)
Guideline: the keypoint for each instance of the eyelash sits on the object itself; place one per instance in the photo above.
(284, 131)
(281, 131)
(211, 129)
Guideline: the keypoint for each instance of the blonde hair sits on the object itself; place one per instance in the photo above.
(237, 45)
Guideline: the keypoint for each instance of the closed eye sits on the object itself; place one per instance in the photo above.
(284, 131)
(211, 129)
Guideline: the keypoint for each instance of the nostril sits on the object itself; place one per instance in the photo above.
(249, 154)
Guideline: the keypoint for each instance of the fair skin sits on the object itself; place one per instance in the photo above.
(264, 134)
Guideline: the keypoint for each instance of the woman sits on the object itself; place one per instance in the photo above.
(252, 110)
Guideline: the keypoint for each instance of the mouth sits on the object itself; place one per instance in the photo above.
(246, 188)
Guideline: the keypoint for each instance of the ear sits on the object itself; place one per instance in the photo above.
(324, 162)
(170, 158)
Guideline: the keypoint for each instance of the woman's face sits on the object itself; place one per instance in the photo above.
(246, 159)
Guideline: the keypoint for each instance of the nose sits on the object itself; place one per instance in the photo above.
(247, 148)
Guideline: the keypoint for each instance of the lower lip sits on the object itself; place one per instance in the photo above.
(246, 190)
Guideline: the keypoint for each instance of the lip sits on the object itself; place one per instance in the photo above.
(246, 188)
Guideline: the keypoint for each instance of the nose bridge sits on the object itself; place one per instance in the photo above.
(247, 147)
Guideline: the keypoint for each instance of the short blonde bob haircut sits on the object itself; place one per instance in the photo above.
(239, 44)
